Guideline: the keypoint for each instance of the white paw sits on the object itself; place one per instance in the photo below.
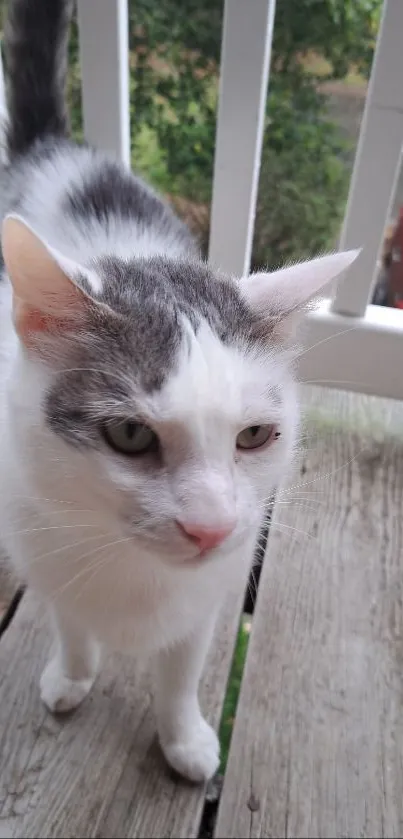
(196, 756)
(59, 693)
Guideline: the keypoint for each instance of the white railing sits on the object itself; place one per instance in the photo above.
(104, 59)
(3, 112)
(354, 342)
(246, 46)
(350, 343)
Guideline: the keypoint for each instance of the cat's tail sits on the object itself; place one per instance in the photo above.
(36, 39)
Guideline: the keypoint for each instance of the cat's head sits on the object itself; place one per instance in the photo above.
(155, 393)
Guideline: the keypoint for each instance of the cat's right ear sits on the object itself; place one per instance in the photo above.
(45, 297)
(280, 298)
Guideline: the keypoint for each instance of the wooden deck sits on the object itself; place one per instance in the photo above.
(317, 748)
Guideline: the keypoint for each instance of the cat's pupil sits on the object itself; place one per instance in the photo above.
(254, 429)
(130, 430)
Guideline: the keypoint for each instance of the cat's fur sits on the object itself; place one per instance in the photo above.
(115, 316)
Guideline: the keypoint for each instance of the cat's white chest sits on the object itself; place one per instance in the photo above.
(127, 600)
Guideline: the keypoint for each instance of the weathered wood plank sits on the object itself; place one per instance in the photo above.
(99, 772)
(318, 740)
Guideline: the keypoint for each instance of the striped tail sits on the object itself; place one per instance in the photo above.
(36, 40)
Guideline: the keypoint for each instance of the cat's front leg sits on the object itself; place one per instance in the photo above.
(189, 743)
(71, 671)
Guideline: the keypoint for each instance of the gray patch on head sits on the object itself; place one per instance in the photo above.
(171, 288)
(117, 357)
(137, 345)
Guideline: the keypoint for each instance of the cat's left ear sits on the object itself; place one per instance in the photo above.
(281, 297)
(46, 297)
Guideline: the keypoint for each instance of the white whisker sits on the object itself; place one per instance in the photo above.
(54, 551)
(77, 576)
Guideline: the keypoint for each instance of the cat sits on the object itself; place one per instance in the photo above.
(148, 403)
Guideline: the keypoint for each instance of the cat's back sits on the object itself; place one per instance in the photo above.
(87, 204)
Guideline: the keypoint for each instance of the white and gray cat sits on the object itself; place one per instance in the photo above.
(147, 405)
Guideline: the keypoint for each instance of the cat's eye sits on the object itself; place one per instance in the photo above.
(256, 436)
(131, 438)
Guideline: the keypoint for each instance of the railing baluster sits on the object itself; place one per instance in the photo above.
(247, 35)
(3, 113)
(376, 165)
(104, 57)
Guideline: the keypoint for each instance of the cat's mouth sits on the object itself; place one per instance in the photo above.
(200, 559)
(167, 544)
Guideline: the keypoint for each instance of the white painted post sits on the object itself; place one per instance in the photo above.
(104, 54)
(3, 113)
(245, 59)
(376, 165)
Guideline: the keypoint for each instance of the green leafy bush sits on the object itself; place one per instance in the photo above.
(303, 179)
(174, 56)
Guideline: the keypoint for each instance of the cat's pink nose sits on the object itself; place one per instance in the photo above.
(206, 538)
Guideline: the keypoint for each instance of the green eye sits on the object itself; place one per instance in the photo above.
(131, 438)
(256, 436)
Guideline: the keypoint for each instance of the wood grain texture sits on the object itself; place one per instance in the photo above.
(99, 772)
(318, 739)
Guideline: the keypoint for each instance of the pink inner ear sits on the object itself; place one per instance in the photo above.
(45, 299)
(59, 316)
(29, 322)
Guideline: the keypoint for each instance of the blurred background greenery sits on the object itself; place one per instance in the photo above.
(320, 48)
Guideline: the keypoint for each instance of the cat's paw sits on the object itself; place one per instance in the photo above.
(196, 756)
(59, 693)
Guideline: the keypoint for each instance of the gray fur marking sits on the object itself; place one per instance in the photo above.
(109, 190)
(138, 349)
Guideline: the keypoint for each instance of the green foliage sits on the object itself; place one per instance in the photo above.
(303, 179)
(148, 158)
(74, 85)
(175, 53)
(304, 175)
(232, 693)
(342, 31)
